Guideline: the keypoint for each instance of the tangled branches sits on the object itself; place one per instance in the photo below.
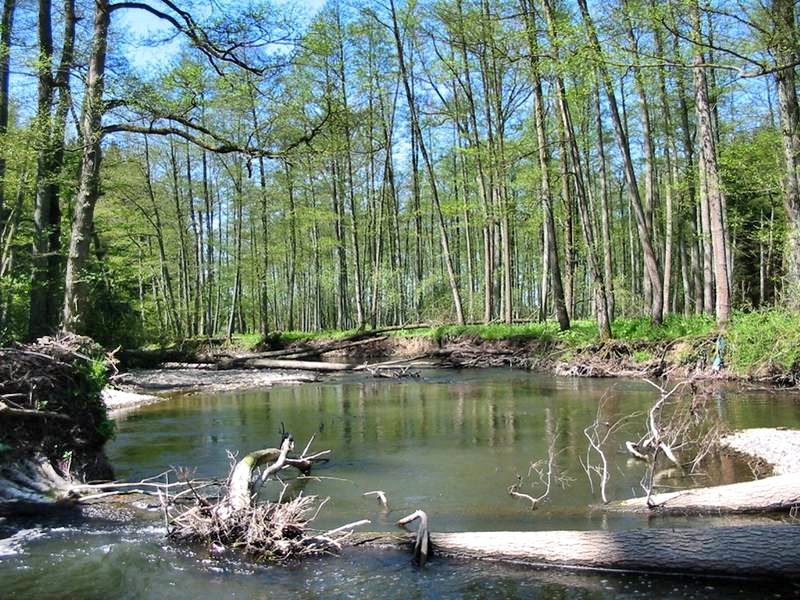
(684, 433)
(50, 405)
(263, 530)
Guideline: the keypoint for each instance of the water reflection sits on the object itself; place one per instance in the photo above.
(450, 443)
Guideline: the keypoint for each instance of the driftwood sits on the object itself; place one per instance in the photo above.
(764, 551)
(7, 411)
(303, 365)
(241, 488)
(333, 347)
(772, 494)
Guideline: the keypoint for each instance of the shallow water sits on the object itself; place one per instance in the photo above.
(450, 443)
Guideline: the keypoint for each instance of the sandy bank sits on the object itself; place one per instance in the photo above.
(140, 388)
(778, 447)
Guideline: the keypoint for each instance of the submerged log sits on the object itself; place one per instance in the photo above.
(740, 551)
(771, 494)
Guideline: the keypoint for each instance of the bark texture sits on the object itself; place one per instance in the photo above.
(766, 551)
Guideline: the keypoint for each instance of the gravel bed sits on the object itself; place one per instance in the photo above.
(778, 447)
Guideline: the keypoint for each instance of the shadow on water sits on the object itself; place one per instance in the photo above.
(450, 443)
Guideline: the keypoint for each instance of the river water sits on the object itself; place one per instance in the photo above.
(450, 442)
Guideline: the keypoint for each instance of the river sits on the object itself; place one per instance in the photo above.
(449, 442)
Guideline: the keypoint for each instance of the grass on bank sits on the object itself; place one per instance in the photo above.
(764, 341)
(755, 342)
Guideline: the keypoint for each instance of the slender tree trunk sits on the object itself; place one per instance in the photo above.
(605, 213)
(647, 143)
(170, 310)
(599, 297)
(6, 26)
(196, 318)
(446, 254)
(183, 250)
(358, 291)
(342, 305)
(76, 290)
(550, 237)
(292, 283)
(709, 179)
(671, 162)
(645, 235)
(9, 216)
(52, 123)
(787, 54)
(210, 261)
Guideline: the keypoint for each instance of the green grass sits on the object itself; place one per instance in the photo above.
(763, 339)
(673, 327)
(582, 332)
(246, 341)
(497, 331)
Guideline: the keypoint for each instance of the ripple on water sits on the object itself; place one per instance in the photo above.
(15, 544)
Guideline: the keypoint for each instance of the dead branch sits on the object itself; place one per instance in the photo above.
(545, 475)
(422, 544)
(598, 434)
(380, 496)
(7, 411)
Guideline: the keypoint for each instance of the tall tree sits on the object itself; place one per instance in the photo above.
(567, 133)
(76, 290)
(711, 189)
(223, 47)
(51, 122)
(6, 25)
(551, 238)
(786, 49)
(631, 180)
(447, 256)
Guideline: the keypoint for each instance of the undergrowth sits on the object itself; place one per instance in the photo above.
(764, 341)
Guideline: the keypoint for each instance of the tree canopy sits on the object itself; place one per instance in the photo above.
(172, 170)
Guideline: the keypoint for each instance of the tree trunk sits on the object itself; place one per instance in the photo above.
(567, 132)
(550, 237)
(710, 182)
(771, 494)
(739, 551)
(6, 25)
(632, 187)
(443, 237)
(787, 53)
(605, 212)
(52, 122)
(76, 289)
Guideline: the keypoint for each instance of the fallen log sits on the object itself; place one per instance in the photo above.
(772, 494)
(762, 551)
(333, 347)
(302, 365)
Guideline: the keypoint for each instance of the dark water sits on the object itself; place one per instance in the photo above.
(450, 443)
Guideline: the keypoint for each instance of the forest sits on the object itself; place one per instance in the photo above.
(212, 168)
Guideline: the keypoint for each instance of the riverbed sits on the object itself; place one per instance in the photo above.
(449, 442)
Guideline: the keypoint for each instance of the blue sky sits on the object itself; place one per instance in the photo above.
(141, 25)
